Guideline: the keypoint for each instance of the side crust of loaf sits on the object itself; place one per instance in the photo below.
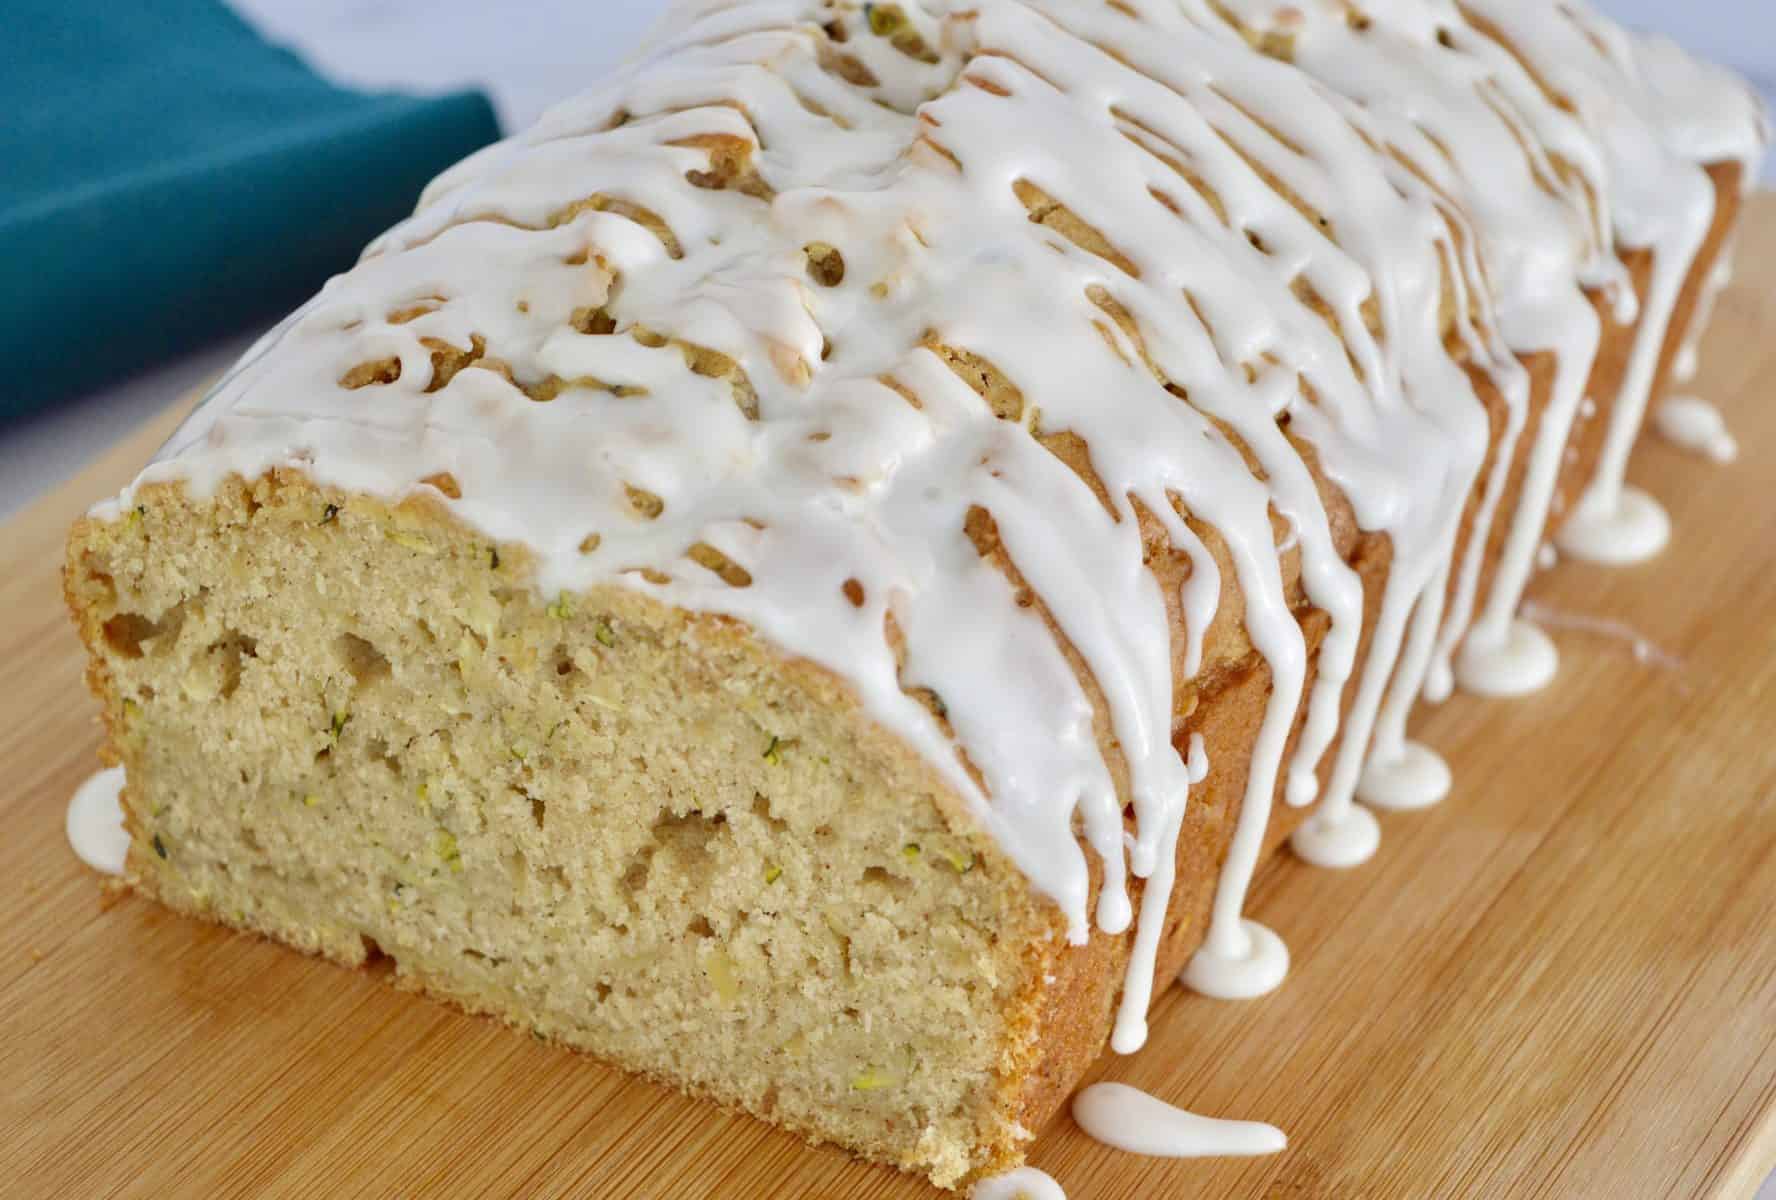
(1078, 1008)
(1587, 439)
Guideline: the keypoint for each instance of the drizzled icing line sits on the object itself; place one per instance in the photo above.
(1660, 117)
(820, 305)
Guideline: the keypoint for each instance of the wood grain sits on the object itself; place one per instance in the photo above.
(1560, 983)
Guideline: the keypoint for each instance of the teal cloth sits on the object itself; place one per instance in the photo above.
(167, 177)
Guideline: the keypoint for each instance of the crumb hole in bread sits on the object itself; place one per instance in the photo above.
(126, 632)
(635, 875)
(377, 751)
(700, 927)
(229, 651)
(363, 660)
(377, 961)
(883, 878)
(689, 836)
(761, 808)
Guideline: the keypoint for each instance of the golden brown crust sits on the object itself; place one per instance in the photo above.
(1075, 1012)
(1618, 340)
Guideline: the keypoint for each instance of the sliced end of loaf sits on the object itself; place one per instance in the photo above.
(353, 727)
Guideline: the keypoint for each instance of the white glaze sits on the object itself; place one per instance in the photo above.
(1688, 359)
(1659, 116)
(1129, 1119)
(1250, 963)
(1346, 837)
(1632, 527)
(1413, 777)
(1024, 1183)
(1523, 662)
(838, 478)
(1692, 423)
(1437, 89)
(95, 822)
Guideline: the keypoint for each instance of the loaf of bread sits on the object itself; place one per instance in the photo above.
(819, 572)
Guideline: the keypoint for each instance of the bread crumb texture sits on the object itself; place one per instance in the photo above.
(354, 727)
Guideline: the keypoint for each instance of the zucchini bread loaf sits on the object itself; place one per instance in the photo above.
(819, 572)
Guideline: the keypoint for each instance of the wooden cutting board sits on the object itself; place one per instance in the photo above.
(1560, 983)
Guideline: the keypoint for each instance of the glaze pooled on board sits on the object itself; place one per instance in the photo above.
(1692, 423)
(95, 822)
(1024, 1183)
(1129, 1119)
